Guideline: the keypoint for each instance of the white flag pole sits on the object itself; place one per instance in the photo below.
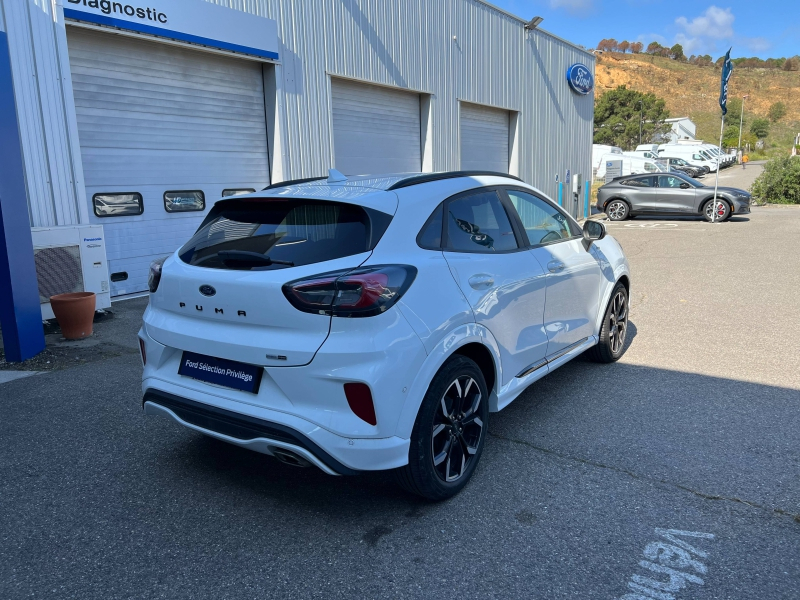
(716, 181)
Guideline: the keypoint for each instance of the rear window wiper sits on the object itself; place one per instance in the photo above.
(253, 259)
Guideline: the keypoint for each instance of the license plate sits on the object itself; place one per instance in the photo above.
(228, 373)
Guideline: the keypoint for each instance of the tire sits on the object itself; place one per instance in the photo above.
(614, 329)
(447, 431)
(723, 210)
(618, 210)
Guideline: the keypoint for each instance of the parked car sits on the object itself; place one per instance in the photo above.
(673, 194)
(682, 165)
(374, 323)
(690, 154)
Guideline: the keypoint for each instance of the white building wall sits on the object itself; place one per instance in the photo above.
(42, 85)
(408, 44)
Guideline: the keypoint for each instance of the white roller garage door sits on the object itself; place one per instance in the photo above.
(375, 129)
(484, 138)
(154, 118)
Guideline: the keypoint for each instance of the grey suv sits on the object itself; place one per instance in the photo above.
(669, 194)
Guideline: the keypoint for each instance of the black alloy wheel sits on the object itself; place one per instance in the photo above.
(617, 210)
(449, 433)
(614, 330)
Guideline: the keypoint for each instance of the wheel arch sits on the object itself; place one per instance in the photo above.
(471, 340)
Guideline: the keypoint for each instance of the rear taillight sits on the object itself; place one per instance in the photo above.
(154, 276)
(362, 292)
(359, 398)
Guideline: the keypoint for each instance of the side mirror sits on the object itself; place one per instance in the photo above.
(592, 232)
(685, 186)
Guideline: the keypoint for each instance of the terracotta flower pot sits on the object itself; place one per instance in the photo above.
(74, 313)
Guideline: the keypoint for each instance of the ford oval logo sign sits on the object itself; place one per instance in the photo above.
(207, 290)
(580, 78)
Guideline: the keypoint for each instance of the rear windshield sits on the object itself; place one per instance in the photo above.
(266, 234)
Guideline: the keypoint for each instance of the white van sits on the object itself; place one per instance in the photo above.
(691, 154)
(631, 165)
(710, 149)
(651, 154)
(599, 150)
(647, 148)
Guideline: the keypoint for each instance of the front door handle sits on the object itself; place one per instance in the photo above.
(481, 281)
(555, 266)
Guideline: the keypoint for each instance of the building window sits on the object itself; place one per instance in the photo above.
(237, 192)
(118, 205)
(185, 201)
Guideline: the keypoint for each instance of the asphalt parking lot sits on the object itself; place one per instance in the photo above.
(696, 429)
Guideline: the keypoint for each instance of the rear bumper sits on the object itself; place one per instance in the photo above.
(270, 430)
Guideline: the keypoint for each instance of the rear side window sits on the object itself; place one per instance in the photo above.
(266, 234)
(430, 236)
(638, 182)
(478, 223)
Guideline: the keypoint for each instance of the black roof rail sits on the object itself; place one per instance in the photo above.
(428, 177)
(281, 184)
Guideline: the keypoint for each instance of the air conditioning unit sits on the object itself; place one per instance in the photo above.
(70, 259)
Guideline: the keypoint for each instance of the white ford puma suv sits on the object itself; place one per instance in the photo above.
(370, 323)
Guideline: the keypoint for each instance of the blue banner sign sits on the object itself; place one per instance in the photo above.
(580, 79)
(228, 373)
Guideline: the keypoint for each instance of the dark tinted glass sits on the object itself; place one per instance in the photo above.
(275, 234)
(479, 223)
(430, 236)
(639, 182)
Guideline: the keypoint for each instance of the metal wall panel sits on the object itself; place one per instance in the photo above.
(375, 129)
(484, 138)
(46, 113)
(448, 50)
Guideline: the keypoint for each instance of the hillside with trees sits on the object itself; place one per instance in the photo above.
(690, 87)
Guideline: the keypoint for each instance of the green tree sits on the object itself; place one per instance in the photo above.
(780, 181)
(777, 111)
(730, 138)
(653, 47)
(617, 115)
(734, 110)
(760, 128)
(677, 52)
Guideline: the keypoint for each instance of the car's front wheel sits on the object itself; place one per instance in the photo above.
(449, 433)
(617, 210)
(614, 330)
(718, 211)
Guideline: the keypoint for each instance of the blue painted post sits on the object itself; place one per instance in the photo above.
(586, 203)
(20, 314)
(561, 193)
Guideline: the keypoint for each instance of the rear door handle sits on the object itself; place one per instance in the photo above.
(555, 266)
(481, 281)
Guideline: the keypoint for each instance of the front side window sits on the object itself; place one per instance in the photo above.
(187, 201)
(118, 205)
(543, 222)
(478, 223)
(669, 181)
(266, 234)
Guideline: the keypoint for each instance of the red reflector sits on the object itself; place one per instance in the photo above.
(359, 397)
(143, 351)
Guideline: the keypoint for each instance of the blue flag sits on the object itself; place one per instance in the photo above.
(727, 70)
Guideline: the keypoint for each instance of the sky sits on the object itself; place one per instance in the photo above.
(763, 28)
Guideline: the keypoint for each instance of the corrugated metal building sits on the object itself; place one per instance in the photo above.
(141, 131)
